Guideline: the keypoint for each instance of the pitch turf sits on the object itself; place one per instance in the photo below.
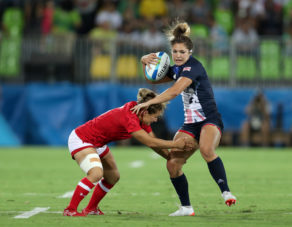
(261, 179)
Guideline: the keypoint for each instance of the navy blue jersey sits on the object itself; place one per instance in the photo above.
(198, 98)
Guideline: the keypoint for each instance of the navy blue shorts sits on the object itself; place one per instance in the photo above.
(194, 129)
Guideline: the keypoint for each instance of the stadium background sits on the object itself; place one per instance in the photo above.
(64, 62)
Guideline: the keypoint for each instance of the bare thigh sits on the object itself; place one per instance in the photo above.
(209, 141)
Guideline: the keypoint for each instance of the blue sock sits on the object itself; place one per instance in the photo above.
(182, 189)
(217, 171)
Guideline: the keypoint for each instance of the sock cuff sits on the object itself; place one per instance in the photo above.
(105, 184)
(218, 159)
(87, 182)
(178, 178)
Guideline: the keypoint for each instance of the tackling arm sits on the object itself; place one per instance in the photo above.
(162, 152)
(143, 137)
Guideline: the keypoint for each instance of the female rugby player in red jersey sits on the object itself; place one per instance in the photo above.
(203, 125)
(88, 146)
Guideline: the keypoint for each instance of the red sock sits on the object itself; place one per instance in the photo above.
(82, 189)
(99, 192)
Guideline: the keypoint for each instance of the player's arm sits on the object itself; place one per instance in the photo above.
(169, 94)
(152, 59)
(155, 143)
(162, 152)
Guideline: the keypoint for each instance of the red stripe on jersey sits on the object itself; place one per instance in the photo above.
(189, 116)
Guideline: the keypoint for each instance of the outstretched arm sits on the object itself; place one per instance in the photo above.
(169, 94)
(162, 152)
(155, 143)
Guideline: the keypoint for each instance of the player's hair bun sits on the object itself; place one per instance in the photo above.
(181, 29)
(145, 94)
(178, 30)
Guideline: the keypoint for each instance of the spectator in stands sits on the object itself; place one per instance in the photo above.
(219, 38)
(129, 33)
(199, 12)
(129, 9)
(65, 25)
(87, 10)
(47, 17)
(67, 19)
(272, 22)
(88, 146)
(152, 38)
(256, 129)
(153, 8)
(109, 14)
(245, 37)
(178, 9)
(12, 20)
(202, 125)
(288, 39)
(251, 8)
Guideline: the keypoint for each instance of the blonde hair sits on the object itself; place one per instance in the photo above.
(144, 95)
(180, 32)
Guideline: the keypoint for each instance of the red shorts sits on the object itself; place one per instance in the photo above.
(75, 144)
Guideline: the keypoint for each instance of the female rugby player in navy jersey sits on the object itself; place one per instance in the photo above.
(202, 124)
(88, 146)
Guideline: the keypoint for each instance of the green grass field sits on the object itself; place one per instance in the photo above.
(261, 179)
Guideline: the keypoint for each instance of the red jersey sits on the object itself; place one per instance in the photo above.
(115, 124)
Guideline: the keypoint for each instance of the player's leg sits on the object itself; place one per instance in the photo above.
(209, 141)
(90, 163)
(111, 176)
(179, 181)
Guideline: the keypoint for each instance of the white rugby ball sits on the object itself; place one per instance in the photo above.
(158, 71)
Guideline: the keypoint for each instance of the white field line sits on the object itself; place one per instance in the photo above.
(66, 195)
(123, 212)
(28, 214)
(137, 164)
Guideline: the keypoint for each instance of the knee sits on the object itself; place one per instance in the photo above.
(207, 152)
(95, 174)
(115, 178)
(174, 167)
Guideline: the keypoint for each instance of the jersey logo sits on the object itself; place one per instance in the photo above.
(174, 76)
(187, 69)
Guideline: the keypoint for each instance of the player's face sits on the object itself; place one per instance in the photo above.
(180, 53)
(150, 118)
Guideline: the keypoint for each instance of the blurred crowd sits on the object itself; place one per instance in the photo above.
(144, 20)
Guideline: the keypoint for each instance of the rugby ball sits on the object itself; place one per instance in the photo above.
(158, 71)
